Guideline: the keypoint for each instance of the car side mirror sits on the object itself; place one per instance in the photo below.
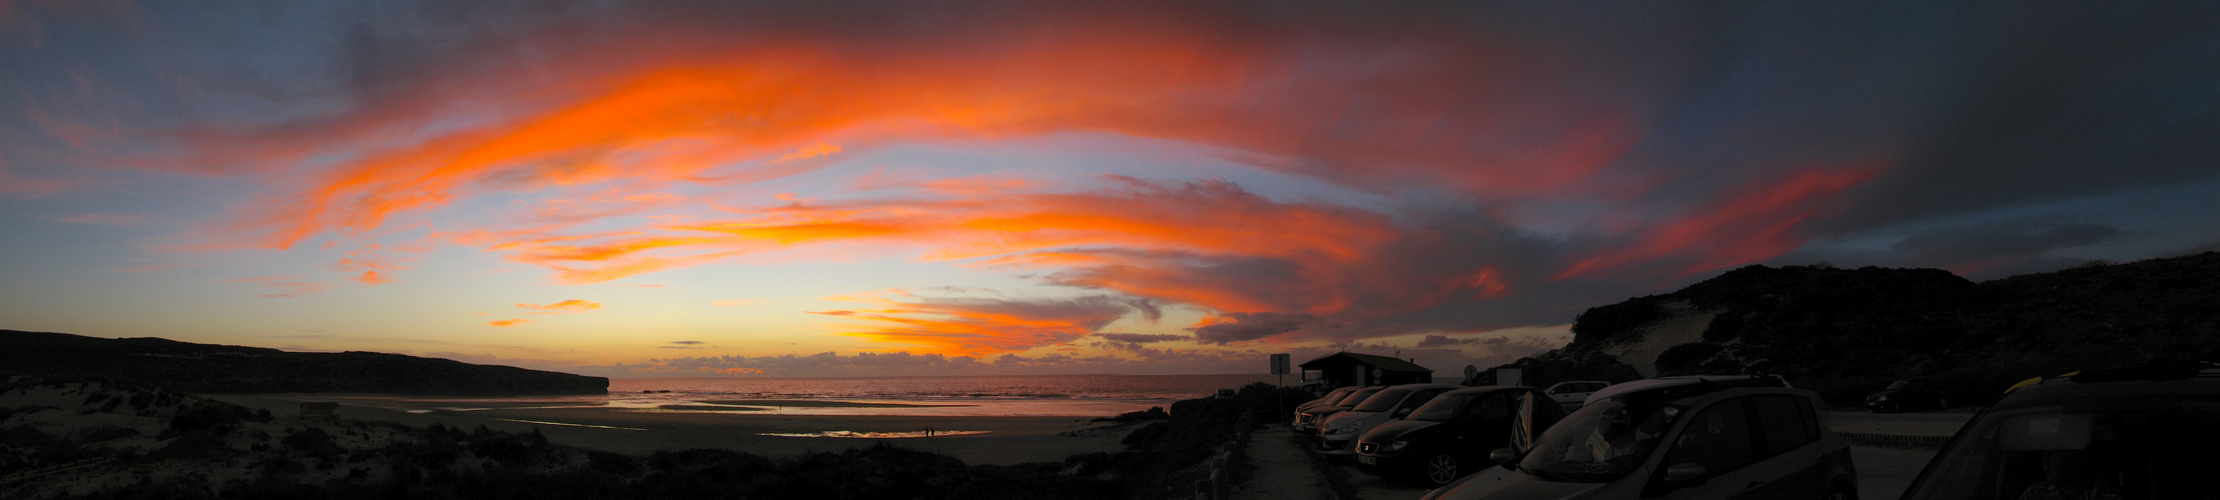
(1683, 473)
(1503, 455)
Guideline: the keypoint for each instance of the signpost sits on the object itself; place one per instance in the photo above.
(1279, 367)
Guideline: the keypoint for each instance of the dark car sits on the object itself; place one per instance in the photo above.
(2142, 431)
(1909, 394)
(1330, 397)
(1682, 439)
(1451, 435)
(1307, 421)
(1337, 435)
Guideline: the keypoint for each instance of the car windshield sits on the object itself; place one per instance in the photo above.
(1383, 400)
(1898, 385)
(2079, 448)
(1443, 407)
(1600, 442)
(1335, 397)
(1356, 397)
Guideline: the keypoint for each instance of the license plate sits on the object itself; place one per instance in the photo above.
(1368, 460)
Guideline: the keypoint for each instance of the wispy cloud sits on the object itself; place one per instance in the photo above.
(567, 306)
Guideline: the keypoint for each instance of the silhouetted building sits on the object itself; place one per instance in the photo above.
(1344, 369)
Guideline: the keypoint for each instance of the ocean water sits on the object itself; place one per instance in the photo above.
(1046, 395)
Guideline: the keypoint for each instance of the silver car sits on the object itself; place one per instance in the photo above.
(1680, 440)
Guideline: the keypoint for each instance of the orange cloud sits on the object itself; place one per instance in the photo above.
(508, 322)
(975, 326)
(572, 305)
(753, 105)
(1751, 224)
(372, 278)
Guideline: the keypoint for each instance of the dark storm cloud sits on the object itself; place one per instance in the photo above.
(1999, 241)
(1979, 251)
(1251, 326)
(1439, 341)
(2057, 101)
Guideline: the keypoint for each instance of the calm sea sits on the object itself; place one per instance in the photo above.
(1044, 395)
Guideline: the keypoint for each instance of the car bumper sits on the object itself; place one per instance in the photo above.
(1381, 464)
(1335, 445)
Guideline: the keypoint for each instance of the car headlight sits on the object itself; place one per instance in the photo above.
(1880, 398)
(1398, 445)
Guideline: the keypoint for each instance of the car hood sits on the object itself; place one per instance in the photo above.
(1322, 413)
(1498, 482)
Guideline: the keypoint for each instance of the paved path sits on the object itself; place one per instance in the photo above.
(1283, 469)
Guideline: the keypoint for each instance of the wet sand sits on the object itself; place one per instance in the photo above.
(811, 403)
(1007, 440)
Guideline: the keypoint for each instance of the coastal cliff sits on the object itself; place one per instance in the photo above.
(191, 367)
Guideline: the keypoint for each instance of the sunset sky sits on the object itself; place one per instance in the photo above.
(831, 188)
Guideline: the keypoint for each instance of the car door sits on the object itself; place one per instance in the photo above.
(1535, 413)
(1786, 428)
(1720, 438)
(1482, 427)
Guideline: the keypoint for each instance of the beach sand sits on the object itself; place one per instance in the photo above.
(1007, 440)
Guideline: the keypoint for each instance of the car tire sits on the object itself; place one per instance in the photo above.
(1440, 469)
(1942, 404)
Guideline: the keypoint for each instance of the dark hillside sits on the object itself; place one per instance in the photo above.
(193, 367)
(1845, 332)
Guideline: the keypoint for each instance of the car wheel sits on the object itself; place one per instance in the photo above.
(1942, 404)
(1441, 469)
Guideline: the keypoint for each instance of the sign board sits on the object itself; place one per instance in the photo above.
(1509, 376)
(1279, 364)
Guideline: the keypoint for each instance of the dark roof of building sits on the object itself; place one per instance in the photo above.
(1381, 362)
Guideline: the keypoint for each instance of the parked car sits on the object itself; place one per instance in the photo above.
(1337, 435)
(1713, 381)
(1909, 393)
(1572, 393)
(1447, 438)
(2141, 431)
(1307, 421)
(1329, 398)
(1680, 438)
